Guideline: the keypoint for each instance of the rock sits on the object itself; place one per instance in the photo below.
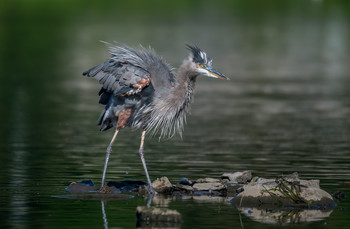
(185, 181)
(255, 179)
(162, 185)
(87, 182)
(224, 181)
(80, 187)
(316, 196)
(184, 187)
(127, 185)
(311, 183)
(272, 192)
(109, 190)
(207, 180)
(208, 186)
(152, 214)
(233, 188)
(261, 181)
(292, 177)
(240, 177)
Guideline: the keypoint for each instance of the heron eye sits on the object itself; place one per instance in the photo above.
(201, 65)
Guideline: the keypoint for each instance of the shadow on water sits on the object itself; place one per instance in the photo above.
(285, 109)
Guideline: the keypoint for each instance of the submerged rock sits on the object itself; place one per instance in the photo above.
(80, 187)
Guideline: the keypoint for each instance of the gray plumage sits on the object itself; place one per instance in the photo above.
(140, 90)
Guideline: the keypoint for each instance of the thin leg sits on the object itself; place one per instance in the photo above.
(109, 150)
(150, 188)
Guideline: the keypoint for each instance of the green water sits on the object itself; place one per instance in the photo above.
(285, 109)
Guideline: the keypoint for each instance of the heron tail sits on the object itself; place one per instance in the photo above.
(107, 119)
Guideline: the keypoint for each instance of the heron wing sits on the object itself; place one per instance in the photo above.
(119, 78)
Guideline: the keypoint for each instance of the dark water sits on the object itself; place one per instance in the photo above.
(285, 109)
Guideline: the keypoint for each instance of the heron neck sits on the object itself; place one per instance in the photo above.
(169, 110)
(186, 81)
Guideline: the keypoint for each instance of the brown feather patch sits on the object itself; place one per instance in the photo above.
(123, 117)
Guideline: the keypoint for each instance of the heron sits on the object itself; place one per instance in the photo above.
(142, 91)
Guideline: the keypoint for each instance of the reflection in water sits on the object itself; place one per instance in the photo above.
(151, 217)
(281, 217)
(285, 217)
(104, 216)
(18, 165)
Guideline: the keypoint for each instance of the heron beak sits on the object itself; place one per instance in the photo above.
(212, 72)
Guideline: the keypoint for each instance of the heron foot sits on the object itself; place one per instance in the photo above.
(151, 191)
(101, 189)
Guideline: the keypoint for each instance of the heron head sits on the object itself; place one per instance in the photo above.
(204, 64)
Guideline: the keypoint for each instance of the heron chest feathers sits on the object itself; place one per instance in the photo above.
(166, 114)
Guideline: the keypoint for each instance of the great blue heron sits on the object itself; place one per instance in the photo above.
(140, 90)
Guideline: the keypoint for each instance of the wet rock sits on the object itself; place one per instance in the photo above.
(288, 191)
(186, 188)
(232, 189)
(207, 180)
(109, 190)
(255, 179)
(240, 177)
(224, 181)
(311, 183)
(80, 187)
(316, 196)
(208, 186)
(277, 192)
(87, 182)
(127, 185)
(292, 177)
(261, 181)
(152, 214)
(162, 185)
(185, 181)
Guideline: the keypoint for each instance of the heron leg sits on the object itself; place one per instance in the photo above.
(150, 188)
(109, 150)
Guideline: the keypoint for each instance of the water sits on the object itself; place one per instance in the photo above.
(285, 109)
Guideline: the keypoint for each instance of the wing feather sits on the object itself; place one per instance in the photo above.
(119, 78)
